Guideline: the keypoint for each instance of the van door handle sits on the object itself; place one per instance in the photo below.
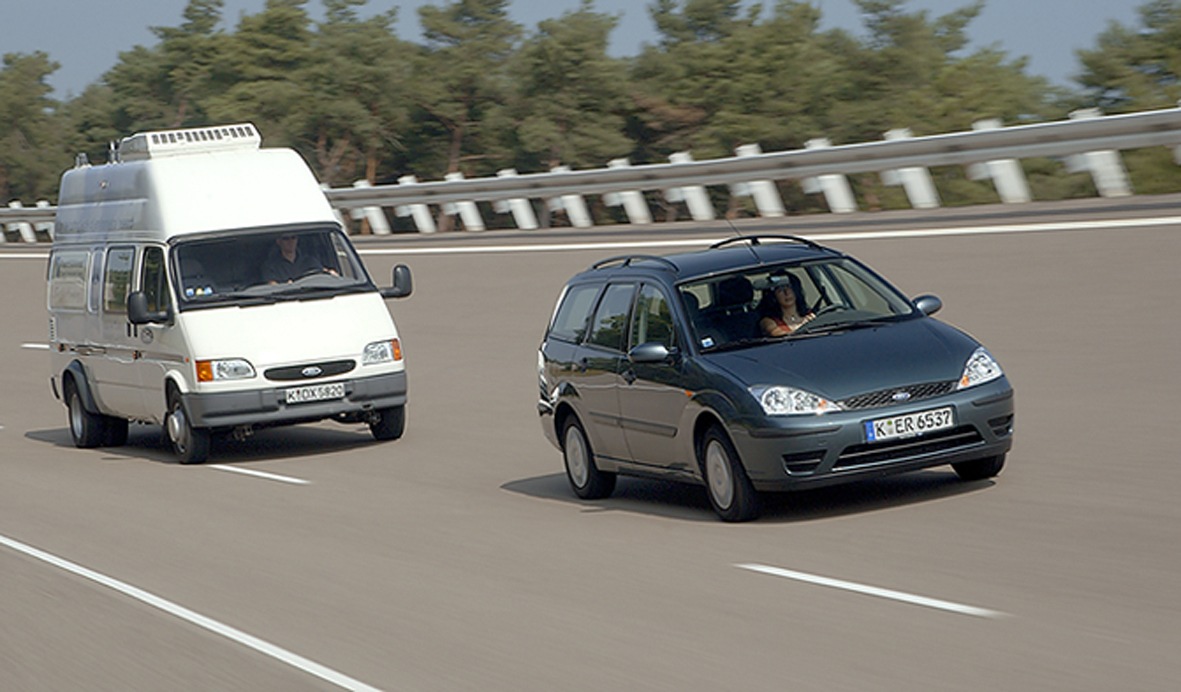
(582, 365)
(629, 375)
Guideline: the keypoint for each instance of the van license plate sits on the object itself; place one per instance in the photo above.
(909, 425)
(315, 392)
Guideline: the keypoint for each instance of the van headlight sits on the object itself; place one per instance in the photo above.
(224, 369)
(789, 401)
(980, 368)
(382, 352)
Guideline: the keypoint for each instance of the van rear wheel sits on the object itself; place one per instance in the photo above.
(389, 424)
(191, 445)
(88, 429)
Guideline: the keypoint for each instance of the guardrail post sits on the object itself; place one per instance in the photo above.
(521, 208)
(694, 196)
(574, 205)
(378, 224)
(632, 202)
(420, 212)
(45, 228)
(1006, 174)
(468, 212)
(1105, 166)
(764, 192)
(916, 180)
(835, 187)
(25, 228)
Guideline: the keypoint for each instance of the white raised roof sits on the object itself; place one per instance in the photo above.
(163, 143)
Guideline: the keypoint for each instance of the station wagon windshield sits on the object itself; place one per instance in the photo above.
(266, 266)
(840, 294)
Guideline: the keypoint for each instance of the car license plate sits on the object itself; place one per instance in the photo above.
(909, 425)
(315, 392)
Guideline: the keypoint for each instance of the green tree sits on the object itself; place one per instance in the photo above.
(1136, 68)
(30, 155)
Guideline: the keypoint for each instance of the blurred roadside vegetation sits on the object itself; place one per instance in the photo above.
(480, 93)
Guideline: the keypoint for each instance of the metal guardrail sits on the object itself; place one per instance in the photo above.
(1090, 140)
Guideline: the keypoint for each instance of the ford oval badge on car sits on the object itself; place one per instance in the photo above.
(311, 371)
(901, 396)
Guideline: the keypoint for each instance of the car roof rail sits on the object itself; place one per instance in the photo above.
(626, 260)
(758, 238)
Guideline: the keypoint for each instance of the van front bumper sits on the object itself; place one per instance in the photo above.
(269, 406)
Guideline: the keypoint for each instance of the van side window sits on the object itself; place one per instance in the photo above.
(117, 282)
(67, 280)
(653, 321)
(154, 279)
(610, 323)
(574, 313)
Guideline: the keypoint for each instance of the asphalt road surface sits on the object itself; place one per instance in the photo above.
(457, 559)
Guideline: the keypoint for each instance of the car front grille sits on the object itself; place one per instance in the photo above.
(898, 395)
(871, 453)
(309, 371)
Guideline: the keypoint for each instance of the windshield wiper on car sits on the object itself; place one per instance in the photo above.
(867, 323)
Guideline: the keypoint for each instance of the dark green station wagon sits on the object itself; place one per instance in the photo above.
(764, 363)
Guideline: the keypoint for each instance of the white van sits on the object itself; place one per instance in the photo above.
(202, 282)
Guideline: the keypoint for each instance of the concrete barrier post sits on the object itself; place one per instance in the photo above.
(837, 192)
(694, 196)
(521, 208)
(915, 180)
(633, 202)
(1106, 166)
(764, 192)
(1006, 174)
(421, 213)
(378, 224)
(573, 205)
(468, 212)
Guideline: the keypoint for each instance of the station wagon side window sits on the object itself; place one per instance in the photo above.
(573, 314)
(653, 320)
(609, 328)
(154, 279)
(67, 280)
(117, 280)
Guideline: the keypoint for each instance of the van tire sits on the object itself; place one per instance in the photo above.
(116, 432)
(389, 424)
(88, 429)
(191, 445)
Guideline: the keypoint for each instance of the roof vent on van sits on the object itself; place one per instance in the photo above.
(154, 145)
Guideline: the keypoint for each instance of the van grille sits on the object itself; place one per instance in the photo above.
(309, 371)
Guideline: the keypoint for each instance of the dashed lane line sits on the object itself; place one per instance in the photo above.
(260, 474)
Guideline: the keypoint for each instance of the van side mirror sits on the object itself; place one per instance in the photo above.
(403, 283)
(928, 304)
(138, 313)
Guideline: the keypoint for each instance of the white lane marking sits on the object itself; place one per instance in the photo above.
(874, 591)
(819, 237)
(36, 347)
(263, 647)
(24, 255)
(260, 474)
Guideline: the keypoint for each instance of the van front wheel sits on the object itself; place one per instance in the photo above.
(388, 423)
(190, 444)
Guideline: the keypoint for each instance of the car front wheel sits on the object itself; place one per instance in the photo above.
(979, 469)
(587, 481)
(730, 490)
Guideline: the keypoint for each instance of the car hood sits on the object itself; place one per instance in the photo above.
(843, 364)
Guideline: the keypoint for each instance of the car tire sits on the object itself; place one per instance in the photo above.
(587, 481)
(979, 469)
(389, 424)
(729, 488)
(191, 445)
(87, 429)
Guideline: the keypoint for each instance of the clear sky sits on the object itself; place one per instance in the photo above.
(86, 36)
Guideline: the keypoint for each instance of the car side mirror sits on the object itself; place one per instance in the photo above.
(928, 304)
(652, 352)
(403, 283)
(138, 313)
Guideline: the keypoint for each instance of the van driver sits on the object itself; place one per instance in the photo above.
(286, 263)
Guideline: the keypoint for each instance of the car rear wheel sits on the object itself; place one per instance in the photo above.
(389, 424)
(191, 445)
(587, 481)
(730, 491)
(979, 469)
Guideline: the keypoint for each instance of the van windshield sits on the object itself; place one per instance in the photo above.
(266, 266)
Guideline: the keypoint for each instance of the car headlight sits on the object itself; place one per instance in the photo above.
(789, 401)
(382, 352)
(224, 369)
(980, 368)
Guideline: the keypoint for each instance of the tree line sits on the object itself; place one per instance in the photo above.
(480, 93)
